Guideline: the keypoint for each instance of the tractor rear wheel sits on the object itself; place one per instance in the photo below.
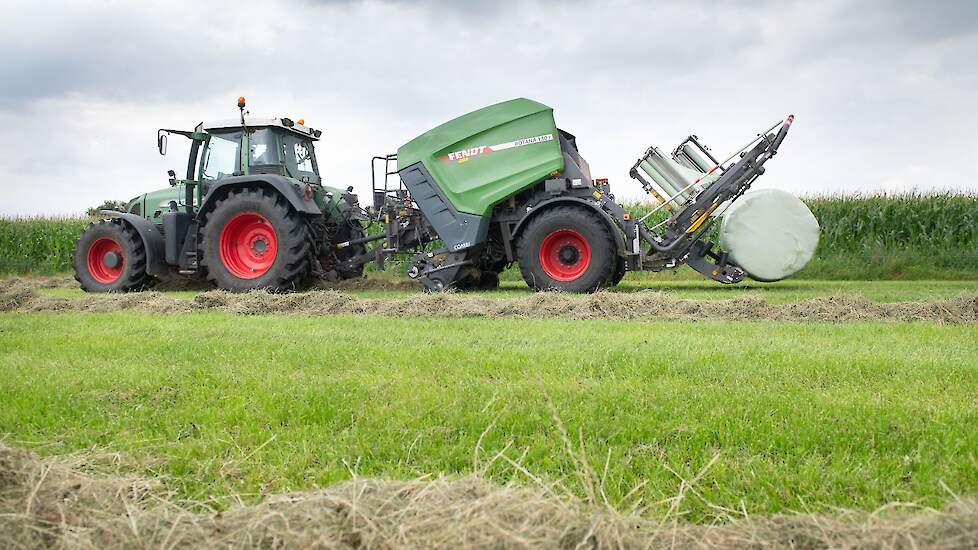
(619, 272)
(254, 239)
(567, 248)
(110, 256)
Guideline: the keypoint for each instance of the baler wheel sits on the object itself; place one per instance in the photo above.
(110, 256)
(254, 239)
(567, 248)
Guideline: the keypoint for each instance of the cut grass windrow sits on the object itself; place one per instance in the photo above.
(56, 503)
(647, 305)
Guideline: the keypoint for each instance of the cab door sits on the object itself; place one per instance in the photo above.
(221, 158)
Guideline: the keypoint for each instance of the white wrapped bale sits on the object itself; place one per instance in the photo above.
(769, 233)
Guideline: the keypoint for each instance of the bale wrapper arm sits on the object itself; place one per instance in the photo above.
(684, 231)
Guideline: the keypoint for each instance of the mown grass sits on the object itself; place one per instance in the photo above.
(801, 416)
(864, 237)
(679, 286)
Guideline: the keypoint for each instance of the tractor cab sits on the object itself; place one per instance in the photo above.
(272, 146)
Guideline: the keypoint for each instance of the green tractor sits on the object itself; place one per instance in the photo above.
(467, 199)
(252, 212)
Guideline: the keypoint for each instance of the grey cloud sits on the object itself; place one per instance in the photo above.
(868, 81)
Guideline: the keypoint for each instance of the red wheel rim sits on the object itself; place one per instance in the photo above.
(105, 260)
(565, 255)
(248, 245)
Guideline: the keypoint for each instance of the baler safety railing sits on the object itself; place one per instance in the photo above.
(380, 194)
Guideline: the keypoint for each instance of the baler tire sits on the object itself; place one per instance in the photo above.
(99, 239)
(588, 239)
(267, 217)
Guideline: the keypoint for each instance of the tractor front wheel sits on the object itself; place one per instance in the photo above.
(567, 248)
(110, 256)
(254, 239)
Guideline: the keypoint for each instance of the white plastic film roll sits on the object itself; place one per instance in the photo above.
(770, 233)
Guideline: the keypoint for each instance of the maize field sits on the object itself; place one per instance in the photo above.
(864, 237)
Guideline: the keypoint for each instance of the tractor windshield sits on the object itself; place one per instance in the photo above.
(222, 159)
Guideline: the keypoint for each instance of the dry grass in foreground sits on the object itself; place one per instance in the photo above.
(59, 502)
(16, 295)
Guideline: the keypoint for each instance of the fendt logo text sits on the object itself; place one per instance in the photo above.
(466, 154)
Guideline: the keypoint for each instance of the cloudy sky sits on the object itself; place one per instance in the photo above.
(884, 93)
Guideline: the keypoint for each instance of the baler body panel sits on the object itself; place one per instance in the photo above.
(482, 158)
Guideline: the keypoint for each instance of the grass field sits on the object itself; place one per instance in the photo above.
(799, 416)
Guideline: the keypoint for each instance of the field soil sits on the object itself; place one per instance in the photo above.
(66, 502)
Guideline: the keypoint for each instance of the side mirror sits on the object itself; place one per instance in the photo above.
(173, 177)
(161, 142)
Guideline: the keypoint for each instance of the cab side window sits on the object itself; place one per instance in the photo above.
(303, 156)
(264, 151)
(300, 157)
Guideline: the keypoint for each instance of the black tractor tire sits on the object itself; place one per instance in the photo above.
(110, 256)
(254, 239)
(566, 248)
(619, 272)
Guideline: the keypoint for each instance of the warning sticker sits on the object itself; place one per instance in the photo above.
(466, 154)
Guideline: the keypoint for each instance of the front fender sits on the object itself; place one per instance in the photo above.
(616, 230)
(152, 240)
(302, 202)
